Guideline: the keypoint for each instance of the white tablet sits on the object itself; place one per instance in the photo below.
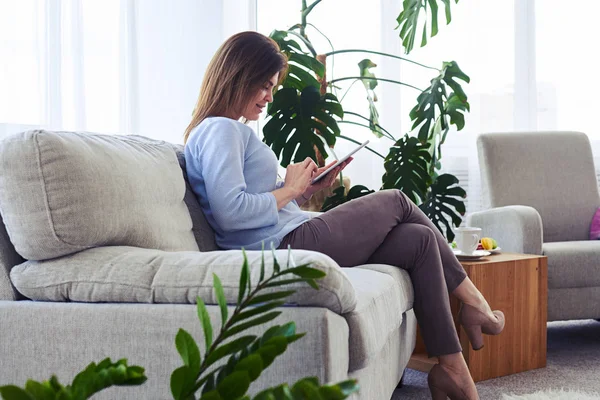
(341, 160)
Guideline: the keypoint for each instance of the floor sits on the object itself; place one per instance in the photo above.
(573, 363)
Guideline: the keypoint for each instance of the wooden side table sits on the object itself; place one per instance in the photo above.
(516, 284)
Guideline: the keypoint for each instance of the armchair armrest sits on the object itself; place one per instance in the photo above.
(517, 229)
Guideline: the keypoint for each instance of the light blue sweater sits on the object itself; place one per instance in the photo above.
(233, 174)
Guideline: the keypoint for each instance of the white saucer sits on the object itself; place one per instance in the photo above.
(477, 254)
(496, 250)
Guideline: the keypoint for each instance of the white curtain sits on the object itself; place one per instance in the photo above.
(109, 66)
(530, 63)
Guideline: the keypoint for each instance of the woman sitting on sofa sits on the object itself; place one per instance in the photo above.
(234, 175)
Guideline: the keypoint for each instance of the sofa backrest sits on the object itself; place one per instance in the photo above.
(552, 172)
(18, 163)
(8, 259)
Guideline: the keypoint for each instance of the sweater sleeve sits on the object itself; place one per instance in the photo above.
(221, 154)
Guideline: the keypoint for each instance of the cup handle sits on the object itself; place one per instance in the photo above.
(475, 240)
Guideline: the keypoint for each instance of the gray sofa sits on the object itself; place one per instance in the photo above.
(540, 195)
(105, 250)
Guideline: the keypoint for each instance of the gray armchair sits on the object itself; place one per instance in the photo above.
(540, 194)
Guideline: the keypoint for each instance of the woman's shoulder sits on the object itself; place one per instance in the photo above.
(225, 128)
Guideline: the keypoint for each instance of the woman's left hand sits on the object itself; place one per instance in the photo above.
(328, 179)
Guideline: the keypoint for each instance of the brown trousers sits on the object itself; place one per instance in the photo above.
(385, 227)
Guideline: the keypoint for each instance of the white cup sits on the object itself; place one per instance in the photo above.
(467, 238)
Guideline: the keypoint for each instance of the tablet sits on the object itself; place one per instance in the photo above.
(341, 160)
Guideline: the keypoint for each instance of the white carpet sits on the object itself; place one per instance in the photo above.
(554, 395)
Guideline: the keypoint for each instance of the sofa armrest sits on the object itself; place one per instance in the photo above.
(517, 229)
(131, 274)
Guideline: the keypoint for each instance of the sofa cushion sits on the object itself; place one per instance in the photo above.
(62, 192)
(384, 293)
(574, 264)
(131, 274)
(204, 234)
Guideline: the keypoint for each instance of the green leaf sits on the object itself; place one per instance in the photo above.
(213, 395)
(228, 348)
(11, 392)
(444, 204)
(252, 364)
(307, 388)
(243, 279)
(247, 325)
(205, 320)
(299, 122)
(262, 263)
(305, 272)
(188, 350)
(220, 298)
(406, 168)
(234, 386)
(263, 298)
(95, 378)
(40, 391)
(182, 382)
(339, 197)
(409, 18)
(253, 311)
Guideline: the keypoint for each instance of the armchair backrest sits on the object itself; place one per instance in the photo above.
(552, 172)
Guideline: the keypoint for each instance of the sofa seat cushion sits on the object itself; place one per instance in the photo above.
(574, 264)
(384, 293)
(135, 275)
(63, 192)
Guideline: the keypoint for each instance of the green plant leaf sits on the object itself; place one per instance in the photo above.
(243, 279)
(220, 298)
(263, 298)
(408, 20)
(406, 168)
(95, 378)
(40, 391)
(247, 325)
(182, 382)
(303, 68)
(253, 311)
(228, 348)
(252, 364)
(209, 383)
(299, 122)
(188, 350)
(205, 320)
(444, 204)
(339, 197)
(213, 395)
(234, 386)
(305, 272)
(307, 388)
(11, 392)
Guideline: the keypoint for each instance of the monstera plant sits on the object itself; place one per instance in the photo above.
(306, 115)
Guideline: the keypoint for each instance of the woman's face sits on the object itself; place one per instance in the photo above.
(263, 96)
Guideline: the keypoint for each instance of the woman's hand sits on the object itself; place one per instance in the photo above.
(298, 177)
(328, 179)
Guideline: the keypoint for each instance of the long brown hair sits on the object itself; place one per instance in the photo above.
(245, 62)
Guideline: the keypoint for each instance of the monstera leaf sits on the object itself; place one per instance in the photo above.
(299, 121)
(339, 197)
(365, 71)
(431, 103)
(444, 203)
(409, 18)
(304, 69)
(406, 168)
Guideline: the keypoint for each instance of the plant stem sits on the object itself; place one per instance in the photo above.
(374, 79)
(391, 137)
(378, 53)
(356, 141)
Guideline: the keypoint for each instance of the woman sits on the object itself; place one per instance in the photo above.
(234, 175)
